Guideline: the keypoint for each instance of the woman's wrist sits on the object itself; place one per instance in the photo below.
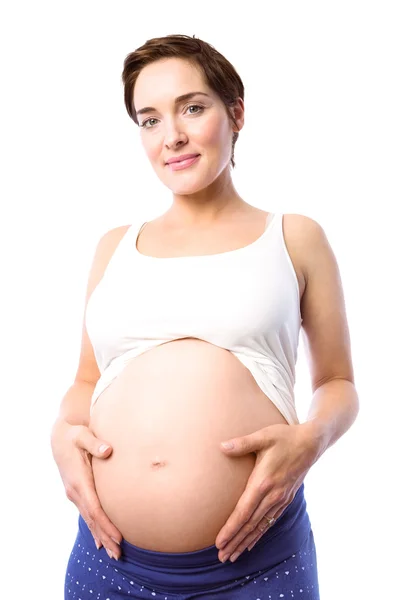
(75, 405)
(315, 436)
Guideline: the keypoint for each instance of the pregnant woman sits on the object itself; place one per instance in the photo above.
(190, 334)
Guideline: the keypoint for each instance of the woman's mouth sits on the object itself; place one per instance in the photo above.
(183, 164)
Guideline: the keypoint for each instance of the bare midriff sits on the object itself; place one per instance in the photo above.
(167, 485)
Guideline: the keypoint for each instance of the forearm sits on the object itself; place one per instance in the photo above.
(334, 408)
(75, 405)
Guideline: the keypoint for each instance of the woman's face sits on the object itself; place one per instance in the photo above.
(199, 125)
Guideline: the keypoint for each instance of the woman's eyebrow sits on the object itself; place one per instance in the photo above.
(179, 99)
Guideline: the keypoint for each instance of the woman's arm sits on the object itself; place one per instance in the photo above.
(335, 404)
(75, 410)
(73, 444)
(334, 408)
(75, 405)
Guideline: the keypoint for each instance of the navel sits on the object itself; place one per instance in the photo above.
(157, 463)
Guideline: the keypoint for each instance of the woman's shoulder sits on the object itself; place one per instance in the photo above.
(303, 237)
(301, 230)
(301, 222)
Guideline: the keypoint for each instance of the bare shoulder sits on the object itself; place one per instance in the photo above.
(304, 236)
(107, 246)
(113, 236)
(326, 333)
(88, 369)
(301, 233)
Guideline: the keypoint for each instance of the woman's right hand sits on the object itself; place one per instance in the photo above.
(73, 447)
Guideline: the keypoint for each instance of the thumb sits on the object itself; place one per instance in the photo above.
(245, 444)
(92, 444)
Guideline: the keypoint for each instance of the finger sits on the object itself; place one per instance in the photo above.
(106, 531)
(110, 536)
(269, 505)
(100, 525)
(256, 524)
(85, 440)
(73, 494)
(260, 530)
(93, 446)
(85, 498)
(276, 517)
(251, 498)
(250, 540)
(102, 529)
(94, 534)
(254, 536)
(255, 541)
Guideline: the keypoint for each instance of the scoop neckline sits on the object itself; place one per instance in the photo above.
(268, 222)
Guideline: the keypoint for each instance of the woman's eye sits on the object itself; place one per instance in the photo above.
(154, 119)
(147, 121)
(194, 106)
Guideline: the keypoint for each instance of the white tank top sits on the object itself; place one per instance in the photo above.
(246, 301)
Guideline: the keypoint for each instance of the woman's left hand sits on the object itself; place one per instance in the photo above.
(284, 455)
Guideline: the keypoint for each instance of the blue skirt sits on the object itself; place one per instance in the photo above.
(281, 566)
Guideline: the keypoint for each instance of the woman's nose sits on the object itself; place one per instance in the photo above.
(174, 136)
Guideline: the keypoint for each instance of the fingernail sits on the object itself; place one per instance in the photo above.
(225, 558)
(252, 545)
(234, 556)
(110, 554)
(223, 544)
(227, 445)
(116, 541)
(97, 544)
(103, 448)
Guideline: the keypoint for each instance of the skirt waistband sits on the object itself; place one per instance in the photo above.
(196, 570)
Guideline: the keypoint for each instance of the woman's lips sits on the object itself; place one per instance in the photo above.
(177, 166)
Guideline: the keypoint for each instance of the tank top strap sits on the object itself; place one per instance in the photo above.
(270, 218)
(137, 234)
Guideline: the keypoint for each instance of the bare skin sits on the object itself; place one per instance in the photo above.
(130, 400)
(207, 215)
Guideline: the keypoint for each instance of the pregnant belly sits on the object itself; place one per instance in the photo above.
(167, 486)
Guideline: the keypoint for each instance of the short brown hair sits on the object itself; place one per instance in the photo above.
(219, 73)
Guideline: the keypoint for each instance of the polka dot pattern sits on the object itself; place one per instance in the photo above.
(92, 575)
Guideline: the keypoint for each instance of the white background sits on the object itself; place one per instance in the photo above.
(321, 138)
